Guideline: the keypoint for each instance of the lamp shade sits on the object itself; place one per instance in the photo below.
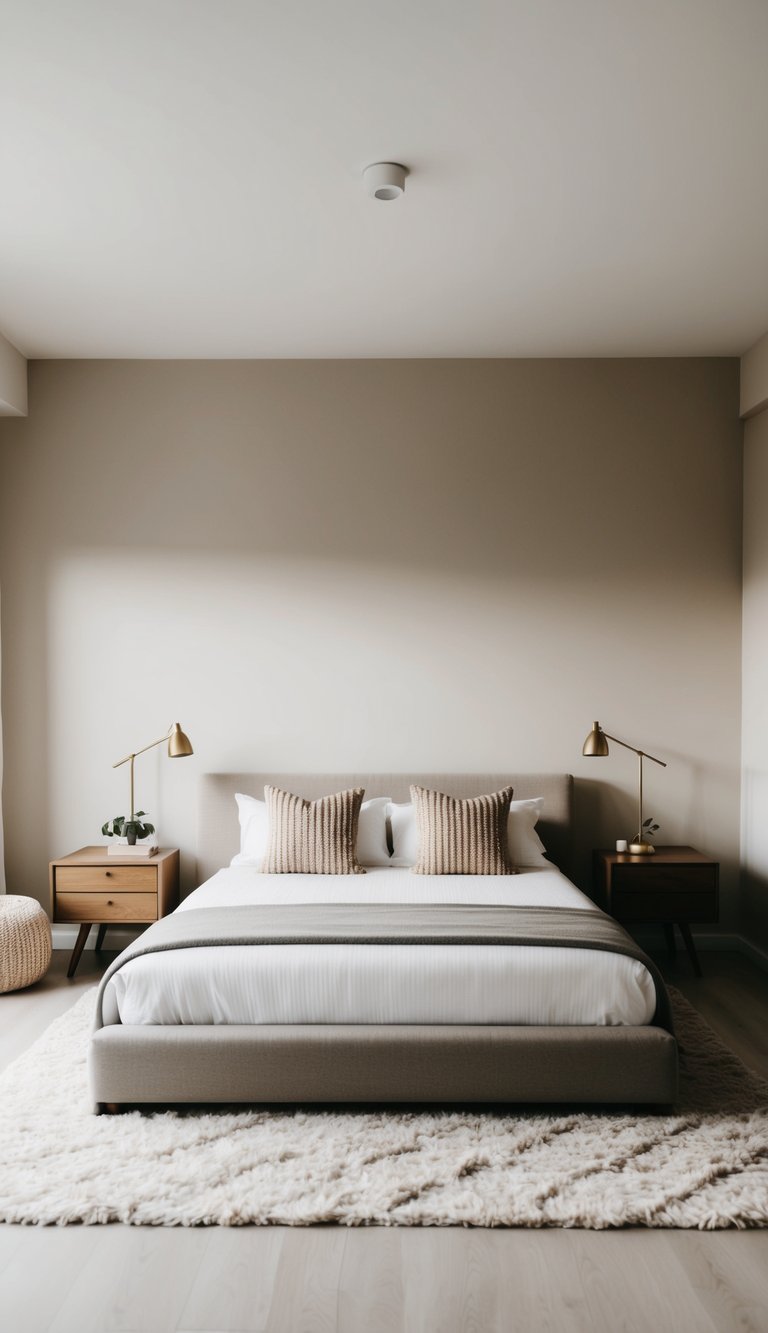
(179, 743)
(596, 745)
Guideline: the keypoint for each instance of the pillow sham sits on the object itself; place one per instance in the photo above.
(312, 837)
(524, 846)
(372, 842)
(462, 837)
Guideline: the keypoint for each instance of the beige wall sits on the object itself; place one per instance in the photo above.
(755, 682)
(391, 564)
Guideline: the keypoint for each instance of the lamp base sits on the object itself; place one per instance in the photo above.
(641, 849)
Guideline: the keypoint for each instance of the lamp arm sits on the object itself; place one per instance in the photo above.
(633, 748)
(129, 758)
(151, 746)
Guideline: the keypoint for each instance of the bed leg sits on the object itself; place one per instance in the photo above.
(110, 1108)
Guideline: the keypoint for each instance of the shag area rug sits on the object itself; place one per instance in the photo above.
(705, 1166)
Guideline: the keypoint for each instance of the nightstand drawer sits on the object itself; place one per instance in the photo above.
(655, 904)
(664, 878)
(83, 879)
(107, 906)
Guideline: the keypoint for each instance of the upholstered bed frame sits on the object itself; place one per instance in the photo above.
(328, 1063)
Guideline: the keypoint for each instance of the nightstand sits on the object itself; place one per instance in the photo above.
(675, 887)
(93, 888)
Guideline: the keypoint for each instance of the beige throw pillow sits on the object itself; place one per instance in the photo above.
(462, 837)
(312, 837)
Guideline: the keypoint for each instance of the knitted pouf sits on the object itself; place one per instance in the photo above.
(25, 942)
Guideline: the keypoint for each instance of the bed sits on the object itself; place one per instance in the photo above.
(389, 1017)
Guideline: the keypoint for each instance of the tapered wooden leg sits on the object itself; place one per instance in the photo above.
(669, 931)
(685, 931)
(110, 1108)
(82, 936)
(100, 937)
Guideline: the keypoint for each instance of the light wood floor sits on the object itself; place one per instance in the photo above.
(382, 1280)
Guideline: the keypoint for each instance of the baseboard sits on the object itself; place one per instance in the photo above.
(118, 937)
(753, 952)
(706, 941)
(721, 940)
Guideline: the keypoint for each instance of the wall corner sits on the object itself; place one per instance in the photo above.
(753, 383)
(13, 380)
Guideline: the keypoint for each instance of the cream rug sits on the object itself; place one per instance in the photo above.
(705, 1166)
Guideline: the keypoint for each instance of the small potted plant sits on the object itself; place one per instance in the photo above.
(129, 828)
(643, 842)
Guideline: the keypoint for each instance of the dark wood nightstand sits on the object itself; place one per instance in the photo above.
(93, 888)
(675, 887)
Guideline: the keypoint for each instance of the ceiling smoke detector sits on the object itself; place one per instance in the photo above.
(385, 180)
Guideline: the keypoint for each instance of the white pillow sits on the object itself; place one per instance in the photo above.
(372, 845)
(254, 831)
(524, 845)
(372, 842)
(405, 834)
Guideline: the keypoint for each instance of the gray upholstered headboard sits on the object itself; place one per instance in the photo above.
(218, 831)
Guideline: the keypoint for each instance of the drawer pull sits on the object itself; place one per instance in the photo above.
(107, 873)
(110, 903)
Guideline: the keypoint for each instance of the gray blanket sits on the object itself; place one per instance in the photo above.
(390, 923)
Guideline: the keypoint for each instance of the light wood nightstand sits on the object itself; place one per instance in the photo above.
(675, 887)
(93, 888)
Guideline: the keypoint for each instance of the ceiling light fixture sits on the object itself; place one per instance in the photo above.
(385, 180)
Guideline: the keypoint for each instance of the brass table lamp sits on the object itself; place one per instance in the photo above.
(596, 746)
(179, 746)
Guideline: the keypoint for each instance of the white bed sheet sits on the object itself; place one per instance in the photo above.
(384, 983)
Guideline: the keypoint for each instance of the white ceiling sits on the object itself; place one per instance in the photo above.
(182, 177)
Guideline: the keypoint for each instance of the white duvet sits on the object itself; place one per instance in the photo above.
(382, 983)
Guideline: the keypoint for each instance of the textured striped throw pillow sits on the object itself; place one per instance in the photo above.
(462, 837)
(312, 837)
